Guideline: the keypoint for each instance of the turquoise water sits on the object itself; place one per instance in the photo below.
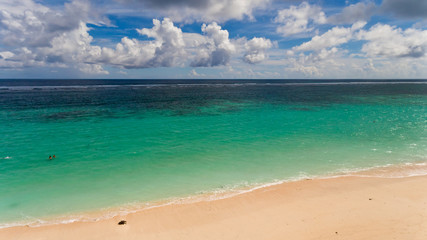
(125, 144)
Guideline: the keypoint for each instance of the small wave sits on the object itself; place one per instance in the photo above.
(407, 169)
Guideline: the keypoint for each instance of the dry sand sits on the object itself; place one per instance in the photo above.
(338, 208)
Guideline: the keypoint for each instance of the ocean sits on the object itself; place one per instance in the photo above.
(123, 145)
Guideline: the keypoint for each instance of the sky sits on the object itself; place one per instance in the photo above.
(213, 39)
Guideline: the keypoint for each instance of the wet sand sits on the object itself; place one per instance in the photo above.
(335, 208)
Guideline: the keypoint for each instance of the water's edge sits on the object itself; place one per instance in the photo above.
(403, 170)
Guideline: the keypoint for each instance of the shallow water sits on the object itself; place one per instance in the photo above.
(122, 142)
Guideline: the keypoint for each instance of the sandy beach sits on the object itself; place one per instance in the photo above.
(336, 208)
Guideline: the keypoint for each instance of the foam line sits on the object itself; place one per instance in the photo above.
(408, 169)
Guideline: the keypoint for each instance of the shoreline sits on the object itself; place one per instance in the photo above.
(353, 205)
(389, 171)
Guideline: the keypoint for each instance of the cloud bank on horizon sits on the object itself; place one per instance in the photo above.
(213, 39)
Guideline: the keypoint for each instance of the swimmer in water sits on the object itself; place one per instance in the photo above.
(50, 157)
(54, 156)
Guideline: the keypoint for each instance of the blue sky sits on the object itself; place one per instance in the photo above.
(213, 39)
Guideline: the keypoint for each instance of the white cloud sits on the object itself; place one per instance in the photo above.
(5, 60)
(388, 41)
(92, 69)
(18, 7)
(334, 37)
(34, 25)
(384, 41)
(33, 35)
(217, 50)
(6, 54)
(323, 54)
(329, 64)
(40, 36)
(166, 50)
(300, 67)
(194, 74)
(255, 50)
(360, 11)
(73, 46)
(299, 19)
(390, 52)
(129, 53)
(199, 10)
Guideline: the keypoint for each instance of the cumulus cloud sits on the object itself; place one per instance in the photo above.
(62, 45)
(218, 48)
(390, 52)
(361, 11)
(194, 74)
(343, 67)
(6, 54)
(164, 51)
(204, 10)
(255, 50)
(323, 53)
(92, 68)
(72, 47)
(334, 37)
(34, 25)
(299, 19)
(5, 60)
(75, 46)
(172, 3)
(388, 41)
(40, 36)
(19, 6)
(406, 8)
(306, 70)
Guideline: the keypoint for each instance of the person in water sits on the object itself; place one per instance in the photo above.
(50, 157)
(54, 156)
